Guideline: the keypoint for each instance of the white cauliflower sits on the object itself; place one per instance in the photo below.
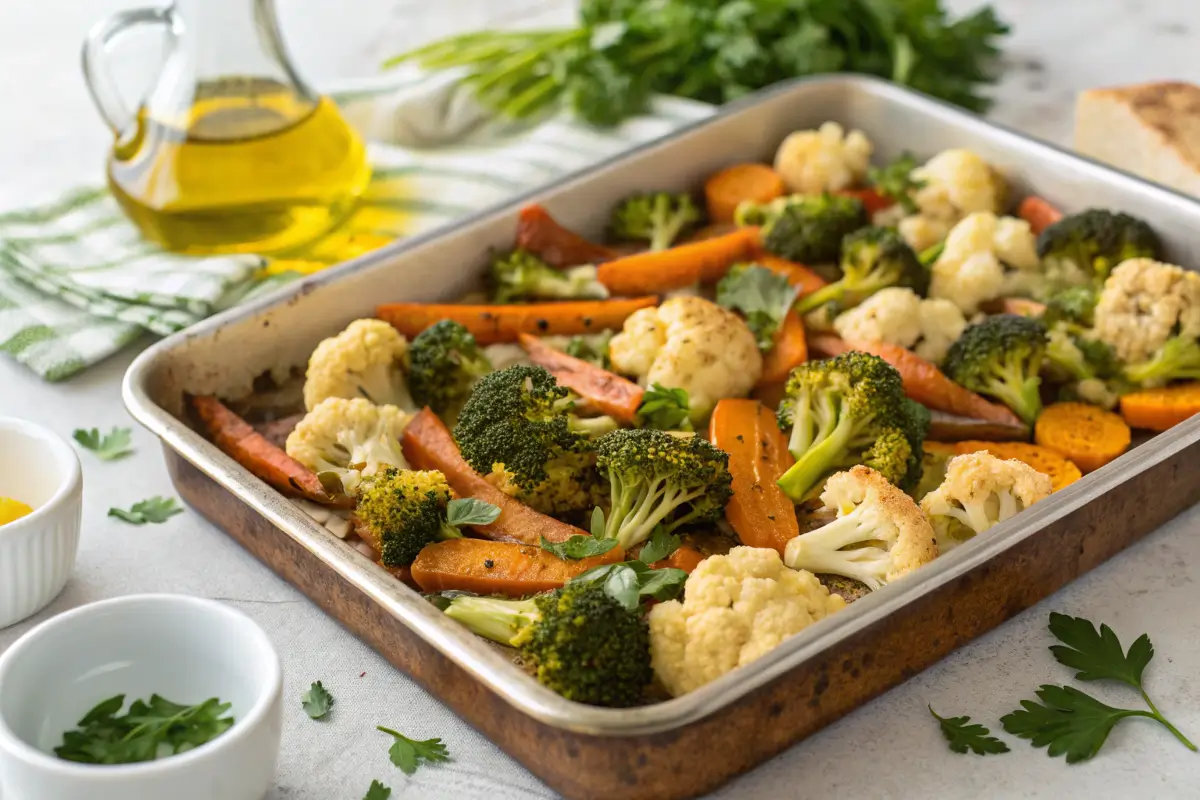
(923, 232)
(980, 491)
(899, 316)
(1144, 304)
(352, 439)
(692, 344)
(970, 269)
(879, 534)
(736, 608)
(824, 160)
(957, 183)
(367, 359)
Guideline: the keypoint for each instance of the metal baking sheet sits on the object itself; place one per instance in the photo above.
(688, 745)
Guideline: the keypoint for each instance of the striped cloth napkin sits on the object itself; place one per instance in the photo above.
(77, 283)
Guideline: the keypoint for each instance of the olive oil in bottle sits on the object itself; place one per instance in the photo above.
(251, 166)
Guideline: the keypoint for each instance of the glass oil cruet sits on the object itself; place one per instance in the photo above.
(231, 151)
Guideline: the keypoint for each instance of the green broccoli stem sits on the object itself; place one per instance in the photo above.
(493, 618)
(635, 514)
(931, 254)
(1010, 385)
(822, 457)
(592, 426)
(449, 531)
(832, 293)
(820, 550)
(1177, 359)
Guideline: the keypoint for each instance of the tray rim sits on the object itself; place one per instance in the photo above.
(484, 662)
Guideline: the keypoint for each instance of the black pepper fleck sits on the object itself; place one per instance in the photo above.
(488, 563)
(543, 325)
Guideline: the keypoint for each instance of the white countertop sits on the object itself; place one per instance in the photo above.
(890, 748)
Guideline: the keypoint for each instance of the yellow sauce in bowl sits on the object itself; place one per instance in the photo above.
(12, 510)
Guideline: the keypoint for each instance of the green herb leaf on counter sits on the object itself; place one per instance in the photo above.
(1099, 655)
(108, 447)
(316, 701)
(156, 509)
(145, 732)
(664, 409)
(660, 545)
(408, 754)
(470, 511)
(972, 737)
(578, 547)
(377, 792)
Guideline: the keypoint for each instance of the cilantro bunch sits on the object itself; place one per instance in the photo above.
(718, 50)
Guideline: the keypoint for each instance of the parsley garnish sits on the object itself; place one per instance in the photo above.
(316, 701)
(664, 409)
(963, 737)
(156, 509)
(377, 792)
(761, 296)
(897, 182)
(660, 545)
(408, 754)
(107, 447)
(148, 730)
(579, 546)
(628, 582)
(470, 511)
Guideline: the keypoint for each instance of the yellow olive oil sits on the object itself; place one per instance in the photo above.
(250, 167)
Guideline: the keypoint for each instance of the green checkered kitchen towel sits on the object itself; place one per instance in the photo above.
(77, 283)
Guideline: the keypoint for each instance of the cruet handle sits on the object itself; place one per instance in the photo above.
(96, 71)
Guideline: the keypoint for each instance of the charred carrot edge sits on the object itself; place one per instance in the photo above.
(725, 190)
(789, 352)
(541, 234)
(427, 444)
(654, 272)
(238, 439)
(798, 275)
(871, 199)
(759, 511)
(1039, 213)
(506, 568)
(1161, 409)
(501, 323)
(607, 391)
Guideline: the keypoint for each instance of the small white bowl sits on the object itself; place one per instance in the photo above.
(186, 649)
(37, 552)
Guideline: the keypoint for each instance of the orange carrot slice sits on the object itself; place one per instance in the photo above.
(1039, 213)
(541, 234)
(506, 568)
(607, 391)
(1161, 409)
(658, 271)
(726, 190)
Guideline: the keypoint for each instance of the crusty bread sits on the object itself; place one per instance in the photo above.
(1151, 129)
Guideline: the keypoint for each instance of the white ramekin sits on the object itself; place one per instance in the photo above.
(37, 552)
(186, 649)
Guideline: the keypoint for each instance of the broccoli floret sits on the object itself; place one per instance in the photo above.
(810, 229)
(872, 259)
(445, 364)
(1072, 356)
(850, 410)
(520, 275)
(659, 479)
(658, 218)
(400, 511)
(763, 297)
(1001, 357)
(1083, 248)
(1177, 360)
(1076, 305)
(580, 642)
(518, 425)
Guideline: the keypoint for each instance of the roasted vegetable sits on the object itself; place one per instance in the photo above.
(1001, 357)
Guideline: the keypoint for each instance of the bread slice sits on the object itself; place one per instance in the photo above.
(1151, 129)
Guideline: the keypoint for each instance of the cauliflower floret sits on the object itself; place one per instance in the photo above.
(352, 439)
(879, 534)
(941, 324)
(365, 360)
(1014, 243)
(890, 315)
(692, 344)
(824, 160)
(958, 182)
(1144, 303)
(922, 233)
(736, 608)
(980, 491)
(970, 269)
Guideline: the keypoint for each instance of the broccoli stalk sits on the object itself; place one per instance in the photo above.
(872, 259)
(659, 479)
(850, 410)
(445, 363)
(1001, 357)
(579, 641)
(520, 275)
(809, 229)
(659, 218)
(1178, 359)
(401, 511)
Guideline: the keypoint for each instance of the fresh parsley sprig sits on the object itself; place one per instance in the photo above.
(156, 510)
(118, 443)
(377, 792)
(973, 737)
(317, 701)
(147, 730)
(665, 409)
(408, 754)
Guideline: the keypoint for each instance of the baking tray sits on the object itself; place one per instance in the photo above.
(692, 744)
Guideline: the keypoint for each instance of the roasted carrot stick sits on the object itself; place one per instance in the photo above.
(759, 511)
(608, 392)
(654, 272)
(923, 381)
(502, 323)
(685, 558)
(872, 200)
(730, 187)
(798, 275)
(428, 444)
(789, 352)
(253, 451)
(540, 233)
(1038, 212)
(1160, 409)
(507, 568)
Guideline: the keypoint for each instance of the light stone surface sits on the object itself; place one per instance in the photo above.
(51, 138)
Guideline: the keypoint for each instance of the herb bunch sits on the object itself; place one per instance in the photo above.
(148, 730)
(718, 50)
